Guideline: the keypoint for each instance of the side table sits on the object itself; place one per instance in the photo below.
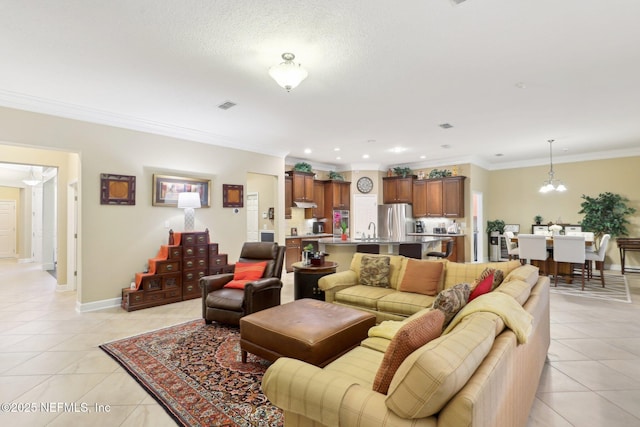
(305, 279)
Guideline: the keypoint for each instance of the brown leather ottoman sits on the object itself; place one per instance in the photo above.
(316, 332)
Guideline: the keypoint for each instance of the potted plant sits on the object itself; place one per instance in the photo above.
(538, 219)
(495, 227)
(403, 172)
(336, 176)
(302, 167)
(605, 214)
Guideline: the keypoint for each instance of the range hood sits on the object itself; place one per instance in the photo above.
(305, 205)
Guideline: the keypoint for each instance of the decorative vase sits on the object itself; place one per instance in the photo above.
(344, 236)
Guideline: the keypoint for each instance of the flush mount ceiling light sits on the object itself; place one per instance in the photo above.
(552, 184)
(32, 181)
(287, 74)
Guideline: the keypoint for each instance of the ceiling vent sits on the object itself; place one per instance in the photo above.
(226, 105)
(445, 126)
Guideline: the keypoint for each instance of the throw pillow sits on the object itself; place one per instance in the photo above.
(413, 335)
(482, 288)
(237, 284)
(374, 271)
(422, 277)
(498, 277)
(450, 301)
(249, 270)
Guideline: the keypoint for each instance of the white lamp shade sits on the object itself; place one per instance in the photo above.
(189, 200)
(288, 74)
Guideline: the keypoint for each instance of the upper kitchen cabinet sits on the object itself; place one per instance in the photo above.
(396, 189)
(318, 198)
(337, 195)
(419, 198)
(442, 197)
(302, 186)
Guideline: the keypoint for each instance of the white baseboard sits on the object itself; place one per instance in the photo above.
(98, 305)
(24, 260)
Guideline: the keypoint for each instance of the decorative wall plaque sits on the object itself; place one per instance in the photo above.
(117, 189)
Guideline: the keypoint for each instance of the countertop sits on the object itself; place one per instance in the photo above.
(309, 236)
(436, 235)
(339, 241)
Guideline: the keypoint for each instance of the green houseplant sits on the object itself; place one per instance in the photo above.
(605, 214)
(336, 176)
(403, 172)
(495, 226)
(537, 219)
(302, 167)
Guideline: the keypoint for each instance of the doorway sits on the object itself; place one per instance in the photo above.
(478, 228)
(253, 225)
(7, 228)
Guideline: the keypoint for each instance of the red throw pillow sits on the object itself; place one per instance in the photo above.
(237, 284)
(246, 272)
(249, 270)
(482, 288)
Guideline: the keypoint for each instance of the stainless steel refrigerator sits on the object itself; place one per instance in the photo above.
(395, 220)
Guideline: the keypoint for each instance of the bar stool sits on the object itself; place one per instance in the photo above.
(446, 253)
(368, 248)
(410, 250)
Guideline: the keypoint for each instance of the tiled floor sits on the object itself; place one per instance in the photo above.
(49, 355)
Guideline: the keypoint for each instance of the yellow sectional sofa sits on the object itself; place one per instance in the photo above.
(391, 303)
(482, 371)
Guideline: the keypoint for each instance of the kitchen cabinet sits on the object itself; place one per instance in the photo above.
(441, 197)
(318, 197)
(396, 189)
(337, 195)
(293, 253)
(288, 196)
(302, 186)
(419, 198)
(457, 253)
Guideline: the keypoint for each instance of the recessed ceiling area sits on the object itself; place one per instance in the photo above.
(505, 75)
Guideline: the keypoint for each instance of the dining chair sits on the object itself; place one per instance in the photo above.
(598, 257)
(532, 247)
(512, 248)
(568, 249)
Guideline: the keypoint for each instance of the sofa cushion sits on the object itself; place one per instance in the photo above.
(430, 376)
(422, 277)
(375, 271)
(527, 273)
(404, 303)
(451, 300)
(359, 364)
(410, 337)
(518, 289)
(456, 272)
(362, 296)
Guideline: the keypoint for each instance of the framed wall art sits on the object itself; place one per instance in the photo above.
(117, 189)
(232, 196)
(166, 189)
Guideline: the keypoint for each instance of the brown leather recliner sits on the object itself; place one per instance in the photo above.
(228, 305)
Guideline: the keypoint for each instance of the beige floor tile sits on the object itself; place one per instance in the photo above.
(553, 380)
(46, 363)
(148, 416)
(117, 388)
(543, 416)
(596, 376)
(628, 400)
(13, 386)
(101, 416)
(93, 362)
(559, 351)
(588, 409)
(597, 349)
(63, 388)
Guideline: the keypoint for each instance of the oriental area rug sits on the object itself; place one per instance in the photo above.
(615, 288)
(195, 372)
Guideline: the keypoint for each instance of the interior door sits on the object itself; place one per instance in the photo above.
(7, 228)
(252, 218)
(365, 212)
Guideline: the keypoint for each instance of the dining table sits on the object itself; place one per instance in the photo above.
(547, 267)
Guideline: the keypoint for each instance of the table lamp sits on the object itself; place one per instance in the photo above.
(189, 202)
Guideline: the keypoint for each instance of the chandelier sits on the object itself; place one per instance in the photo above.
(552, 184)
(287, 74)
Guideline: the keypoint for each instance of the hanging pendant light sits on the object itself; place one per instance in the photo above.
(552, 184)
(287, 74)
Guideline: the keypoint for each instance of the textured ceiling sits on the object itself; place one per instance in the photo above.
(507, 75)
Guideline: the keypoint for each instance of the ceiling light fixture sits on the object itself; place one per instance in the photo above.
(32, 181)
(552, 184)
(287, 74)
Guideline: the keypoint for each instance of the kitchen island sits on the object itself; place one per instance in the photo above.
(341, 251)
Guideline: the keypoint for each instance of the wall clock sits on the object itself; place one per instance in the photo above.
(365, 184)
